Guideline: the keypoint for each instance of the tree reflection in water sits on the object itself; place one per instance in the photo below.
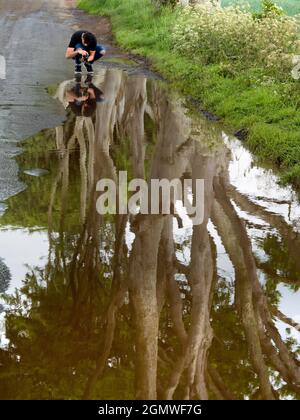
(134, 306)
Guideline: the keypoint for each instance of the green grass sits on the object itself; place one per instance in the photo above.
(291, 7)
(269, 112)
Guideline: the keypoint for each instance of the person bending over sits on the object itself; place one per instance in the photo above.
(83, 48)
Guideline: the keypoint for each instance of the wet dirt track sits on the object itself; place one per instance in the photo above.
(33, 38)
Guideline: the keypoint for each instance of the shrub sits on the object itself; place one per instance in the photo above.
(232, 35)
(269, 9)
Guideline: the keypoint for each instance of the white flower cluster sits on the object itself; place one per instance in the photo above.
(296, 68)
(232, 35)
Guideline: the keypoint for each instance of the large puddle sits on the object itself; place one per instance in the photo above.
(122, 306)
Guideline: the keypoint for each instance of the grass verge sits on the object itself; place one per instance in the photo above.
(269, 111)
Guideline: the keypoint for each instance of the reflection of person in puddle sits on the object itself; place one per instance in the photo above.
(83, 48)
(83, 98)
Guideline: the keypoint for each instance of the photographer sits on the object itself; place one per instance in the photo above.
(83, 48)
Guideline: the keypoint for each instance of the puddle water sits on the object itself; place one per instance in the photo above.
(124, 306)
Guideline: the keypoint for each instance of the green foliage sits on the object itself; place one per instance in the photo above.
(171, 3)
(279, 265)
(5, 276)
(269, 8)
(233, 37)
(52, 347)
(224, 354)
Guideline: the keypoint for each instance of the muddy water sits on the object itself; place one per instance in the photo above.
(122, 306)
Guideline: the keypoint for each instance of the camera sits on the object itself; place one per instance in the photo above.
(85, 58)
